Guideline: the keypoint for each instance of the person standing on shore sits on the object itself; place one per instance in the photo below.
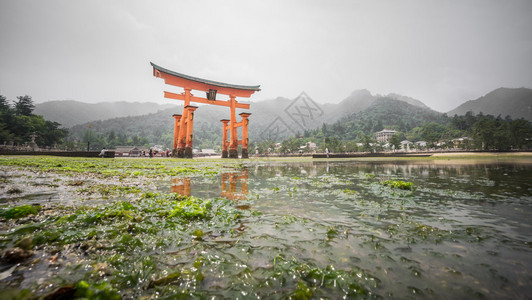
(327, 152)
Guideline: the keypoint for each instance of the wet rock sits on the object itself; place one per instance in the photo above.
(102, 269)
(14, 190)
(55, 250)
(165, 280)
(403, 249)
(64, 292)
(85, 246)
(26, 243)
(7, 273)
(56, 264)
(15, 255)
(35, 261)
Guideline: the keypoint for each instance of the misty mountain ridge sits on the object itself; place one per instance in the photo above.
(274, 119)
(386, 112)
(281, 117)
(513, 102)
(70, 112)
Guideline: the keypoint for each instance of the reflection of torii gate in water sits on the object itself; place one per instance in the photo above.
(230, 182)
(183, 123)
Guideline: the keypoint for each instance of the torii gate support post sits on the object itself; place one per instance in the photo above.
(181, 142)
(189, 137)
(245, 139)
(233, 146)
(183, 126)
(225, 153)
(176, 133)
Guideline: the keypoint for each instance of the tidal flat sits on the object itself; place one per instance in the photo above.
(437, 228)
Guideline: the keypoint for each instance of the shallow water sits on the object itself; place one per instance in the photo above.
(328, 228)
(464, 232)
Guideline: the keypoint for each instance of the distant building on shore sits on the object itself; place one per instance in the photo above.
(405, 145)
(132, 151)
(385, 135)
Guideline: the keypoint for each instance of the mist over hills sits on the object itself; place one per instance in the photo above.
(273, 119)
(516, 103)
(70, 112)
(383, 112)
(157, 128)
(358, 101)
(277, 118)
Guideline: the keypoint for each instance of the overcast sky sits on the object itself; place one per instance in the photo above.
(440, 52)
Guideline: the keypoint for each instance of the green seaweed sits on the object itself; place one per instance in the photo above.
(103, 291)
(306, 231)
(399, 184)
(309, 281)
(18, 212)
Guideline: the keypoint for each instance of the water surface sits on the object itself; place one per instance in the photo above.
(465, 231)
(270, 229)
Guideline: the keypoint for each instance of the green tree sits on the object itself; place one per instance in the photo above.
(366, 143)
(502, 136)
(351, 146)
(18, 123)
(265, 145)
(395, 142)
(484, 132)
(5, 134)
(432, 132)
(290, 145)
(324, 129)
(4, 104)
(520, 132)
(334, 145)
(24, 106)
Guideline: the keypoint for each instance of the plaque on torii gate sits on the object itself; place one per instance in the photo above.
(182, 146)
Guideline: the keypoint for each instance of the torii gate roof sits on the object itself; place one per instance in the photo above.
(186, 81)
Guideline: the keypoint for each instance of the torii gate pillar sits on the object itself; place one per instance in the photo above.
(189, 137)
(225, 143)
(245, 139)
(233, 146)
(176, 134)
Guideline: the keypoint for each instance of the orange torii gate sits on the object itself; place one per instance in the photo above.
(183, 125)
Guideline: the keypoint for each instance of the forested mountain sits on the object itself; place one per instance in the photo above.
(359, 115)
(414, 123)
(155, 128)
(69, 112)
(292, 116)
(358, 101)
(274, 119)
(383, 113)
(516, 103)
